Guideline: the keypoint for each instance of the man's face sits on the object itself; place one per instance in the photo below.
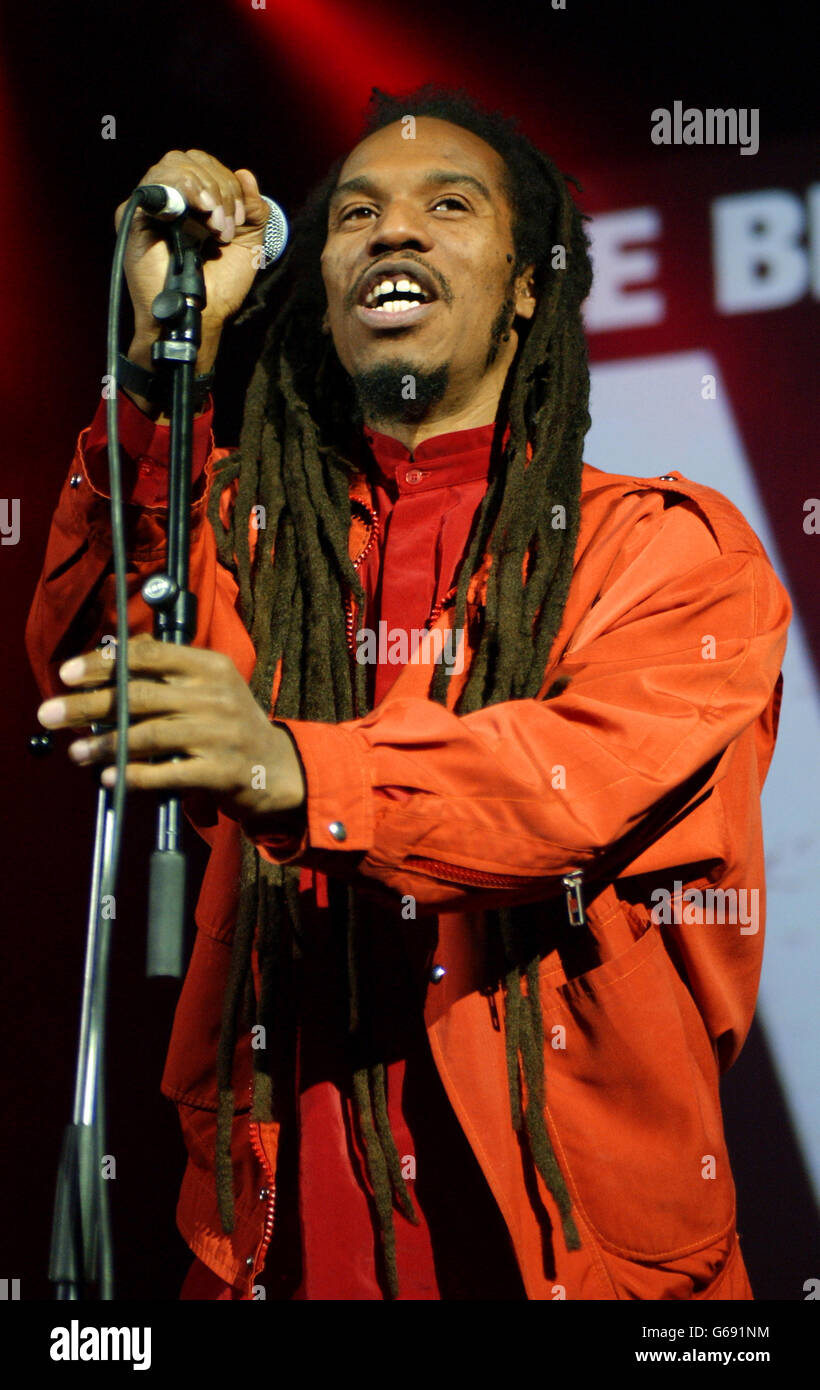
(424, 224)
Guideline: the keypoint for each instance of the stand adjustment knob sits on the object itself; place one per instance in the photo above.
(169, 304)
(159, 590)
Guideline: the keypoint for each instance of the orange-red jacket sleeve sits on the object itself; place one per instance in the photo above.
(73, 606)
(678, 652)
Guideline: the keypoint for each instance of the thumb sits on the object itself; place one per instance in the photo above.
(256, 209)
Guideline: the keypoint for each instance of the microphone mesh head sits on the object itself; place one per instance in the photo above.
(276, 232)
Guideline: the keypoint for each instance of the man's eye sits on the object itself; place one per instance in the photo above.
(451, 199)
(350, 211)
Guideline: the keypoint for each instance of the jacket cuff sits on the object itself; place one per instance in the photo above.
(339, 803)
(145, 446)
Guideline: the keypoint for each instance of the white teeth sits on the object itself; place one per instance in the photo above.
(395, 306)
(384, 287)
(405, 286)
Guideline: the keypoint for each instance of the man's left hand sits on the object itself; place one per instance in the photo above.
(185, 704)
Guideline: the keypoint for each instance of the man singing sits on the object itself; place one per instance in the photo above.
(459, 712)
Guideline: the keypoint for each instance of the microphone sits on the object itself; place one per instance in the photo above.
(162, 201)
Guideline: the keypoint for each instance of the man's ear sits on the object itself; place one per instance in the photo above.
(525, 300)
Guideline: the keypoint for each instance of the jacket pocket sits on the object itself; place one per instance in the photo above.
(633, 1107)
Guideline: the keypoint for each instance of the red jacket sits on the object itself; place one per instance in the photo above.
(645, 773)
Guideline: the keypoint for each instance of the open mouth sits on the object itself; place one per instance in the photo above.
(394, 295)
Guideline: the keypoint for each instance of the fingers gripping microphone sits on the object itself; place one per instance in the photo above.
(162, 201)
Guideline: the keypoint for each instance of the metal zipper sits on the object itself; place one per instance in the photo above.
(350, 602)
(489, 995)
(270, 1209)
(456, 873)
(350, 605)
(439, 607)
(573, 892)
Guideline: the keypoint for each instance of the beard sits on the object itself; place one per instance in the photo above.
(400, 390)
(500, 330)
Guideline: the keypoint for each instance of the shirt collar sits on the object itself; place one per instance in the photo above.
(458, 457)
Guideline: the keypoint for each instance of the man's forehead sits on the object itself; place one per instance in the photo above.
(434, 143)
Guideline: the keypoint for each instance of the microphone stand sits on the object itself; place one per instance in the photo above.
(81, 1236)
(179, 308)
(81, 1211)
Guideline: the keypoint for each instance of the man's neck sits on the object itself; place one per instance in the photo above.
(441, 420)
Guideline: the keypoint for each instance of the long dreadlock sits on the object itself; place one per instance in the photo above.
(299, 428)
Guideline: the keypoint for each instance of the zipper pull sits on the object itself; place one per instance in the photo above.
(489, 994)
(574, 897)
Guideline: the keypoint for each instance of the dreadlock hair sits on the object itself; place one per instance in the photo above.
(300, 424)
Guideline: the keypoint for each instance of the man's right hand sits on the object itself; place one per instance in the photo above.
(225, 204)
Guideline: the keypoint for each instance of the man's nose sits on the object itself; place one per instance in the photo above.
(400, 224)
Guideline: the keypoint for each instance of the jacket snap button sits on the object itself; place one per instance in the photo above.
(667, 478)
(413, 475)
(337, 830)
(263, 1195)
(249, 1261)
(75, 480)
(437, 974)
